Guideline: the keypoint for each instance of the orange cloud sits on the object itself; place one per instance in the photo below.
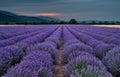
(49, 14)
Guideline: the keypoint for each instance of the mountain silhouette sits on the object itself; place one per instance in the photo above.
(6, 16)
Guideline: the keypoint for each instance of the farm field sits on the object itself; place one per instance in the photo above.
(113, 26)
(59, 51)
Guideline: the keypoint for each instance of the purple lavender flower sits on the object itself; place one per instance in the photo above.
(75, 54)
(75, 47)
(55, 37)
(44, 72)
(93, 42)
(67, 35)
(83, 61)
(9, 55)
(19, 72)
(39, 56)
(35, 64)
(70, 42)
(112, 40)
(45, 46)
(81, 36)
(23, 46)
(102, 49)
(90, 71)
(38, 37)
(112, 60)
(3, 36)
(4, 43)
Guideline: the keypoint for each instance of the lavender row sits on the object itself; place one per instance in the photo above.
(55, 37)
(15, 31)
(68, 37)
(72, 44)
(15, 39)
(112, 61)
(47, 47)
(80, 60)
(112, 36)
(50, 44)
(9, 56)
(83, 64)
(23, 37)
(36, 64)
(8, 62)
(106, 52)
(100, 48)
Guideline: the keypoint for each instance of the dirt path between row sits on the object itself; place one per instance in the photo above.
(58, 68)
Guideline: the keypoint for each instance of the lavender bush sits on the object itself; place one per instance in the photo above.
(90, 71)
(36, 64)
(112, 60)
(74, 47)
(83, 61)
(75, 54)
(55, 37)
(9, 56)
(45, 46)
(102, 49)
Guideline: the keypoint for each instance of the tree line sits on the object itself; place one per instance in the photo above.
(71, 21)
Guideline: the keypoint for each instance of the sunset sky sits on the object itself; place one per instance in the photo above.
(66, 9)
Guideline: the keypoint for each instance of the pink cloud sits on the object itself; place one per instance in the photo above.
(49, 14)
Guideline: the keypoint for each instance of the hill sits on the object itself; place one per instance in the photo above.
(13, 18)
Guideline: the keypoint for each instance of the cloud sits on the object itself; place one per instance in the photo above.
(48, 14)
(79, 9)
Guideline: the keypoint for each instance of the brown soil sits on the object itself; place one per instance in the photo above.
(58, 68)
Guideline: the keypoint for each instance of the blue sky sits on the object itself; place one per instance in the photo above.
(78, 9)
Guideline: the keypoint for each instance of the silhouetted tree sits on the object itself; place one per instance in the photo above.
(42, 22)
(52, 22)
(92, 22)
(112, 22)
(100, 22)
(83, 22)
(117, 22)
(62, 22)
(6, 23)
(106, 22)
(73, 21)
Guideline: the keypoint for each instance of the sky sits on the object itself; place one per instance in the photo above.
(105, 10)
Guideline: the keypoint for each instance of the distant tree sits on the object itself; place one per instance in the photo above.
(6, 23)
(42, 22)
(117, 22)
(92, 22)
(17, 23)
(2, 22)
(52, 22)
(83, 22)
(106, 22)
(25, 23)
(62, 22)
(35, 23)
(112, 22)
(100, 22)
(73, 21)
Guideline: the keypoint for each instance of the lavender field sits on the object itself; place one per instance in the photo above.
(59, 51)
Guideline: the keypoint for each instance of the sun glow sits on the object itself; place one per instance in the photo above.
(49, 14)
